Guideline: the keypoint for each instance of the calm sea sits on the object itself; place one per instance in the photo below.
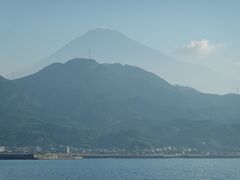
(121, 169)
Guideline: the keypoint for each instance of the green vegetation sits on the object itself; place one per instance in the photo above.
(83, 103)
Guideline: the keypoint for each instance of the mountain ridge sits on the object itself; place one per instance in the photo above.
(95, 104)
(110, 46)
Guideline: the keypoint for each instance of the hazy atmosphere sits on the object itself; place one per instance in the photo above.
(118, 90)
(190, 31)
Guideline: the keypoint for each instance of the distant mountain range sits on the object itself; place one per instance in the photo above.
(109, 46)
(83, 103)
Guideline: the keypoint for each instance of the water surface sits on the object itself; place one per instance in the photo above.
(121, 169)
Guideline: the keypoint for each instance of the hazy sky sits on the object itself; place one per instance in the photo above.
(205, 31)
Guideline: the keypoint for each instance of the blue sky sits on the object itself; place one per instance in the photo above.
(31, 30)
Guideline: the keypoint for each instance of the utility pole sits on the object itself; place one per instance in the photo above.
(89, 54)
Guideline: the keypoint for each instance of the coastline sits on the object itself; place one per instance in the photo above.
(65, 156)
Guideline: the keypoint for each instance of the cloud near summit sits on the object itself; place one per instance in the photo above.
(199, 48)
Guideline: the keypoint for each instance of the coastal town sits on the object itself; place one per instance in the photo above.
(72, 153)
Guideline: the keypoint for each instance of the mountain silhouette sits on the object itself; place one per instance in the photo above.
(84, 103)
(110, 46)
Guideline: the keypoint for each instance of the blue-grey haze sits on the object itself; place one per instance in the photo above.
(32, 30)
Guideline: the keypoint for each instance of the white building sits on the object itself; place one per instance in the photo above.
(2, 149)
(68, 149)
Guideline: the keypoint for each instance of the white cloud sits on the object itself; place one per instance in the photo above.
(199, 48)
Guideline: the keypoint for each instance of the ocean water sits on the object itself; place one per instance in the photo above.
(121, 169)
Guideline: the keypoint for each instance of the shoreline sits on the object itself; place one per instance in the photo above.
(65, 156)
